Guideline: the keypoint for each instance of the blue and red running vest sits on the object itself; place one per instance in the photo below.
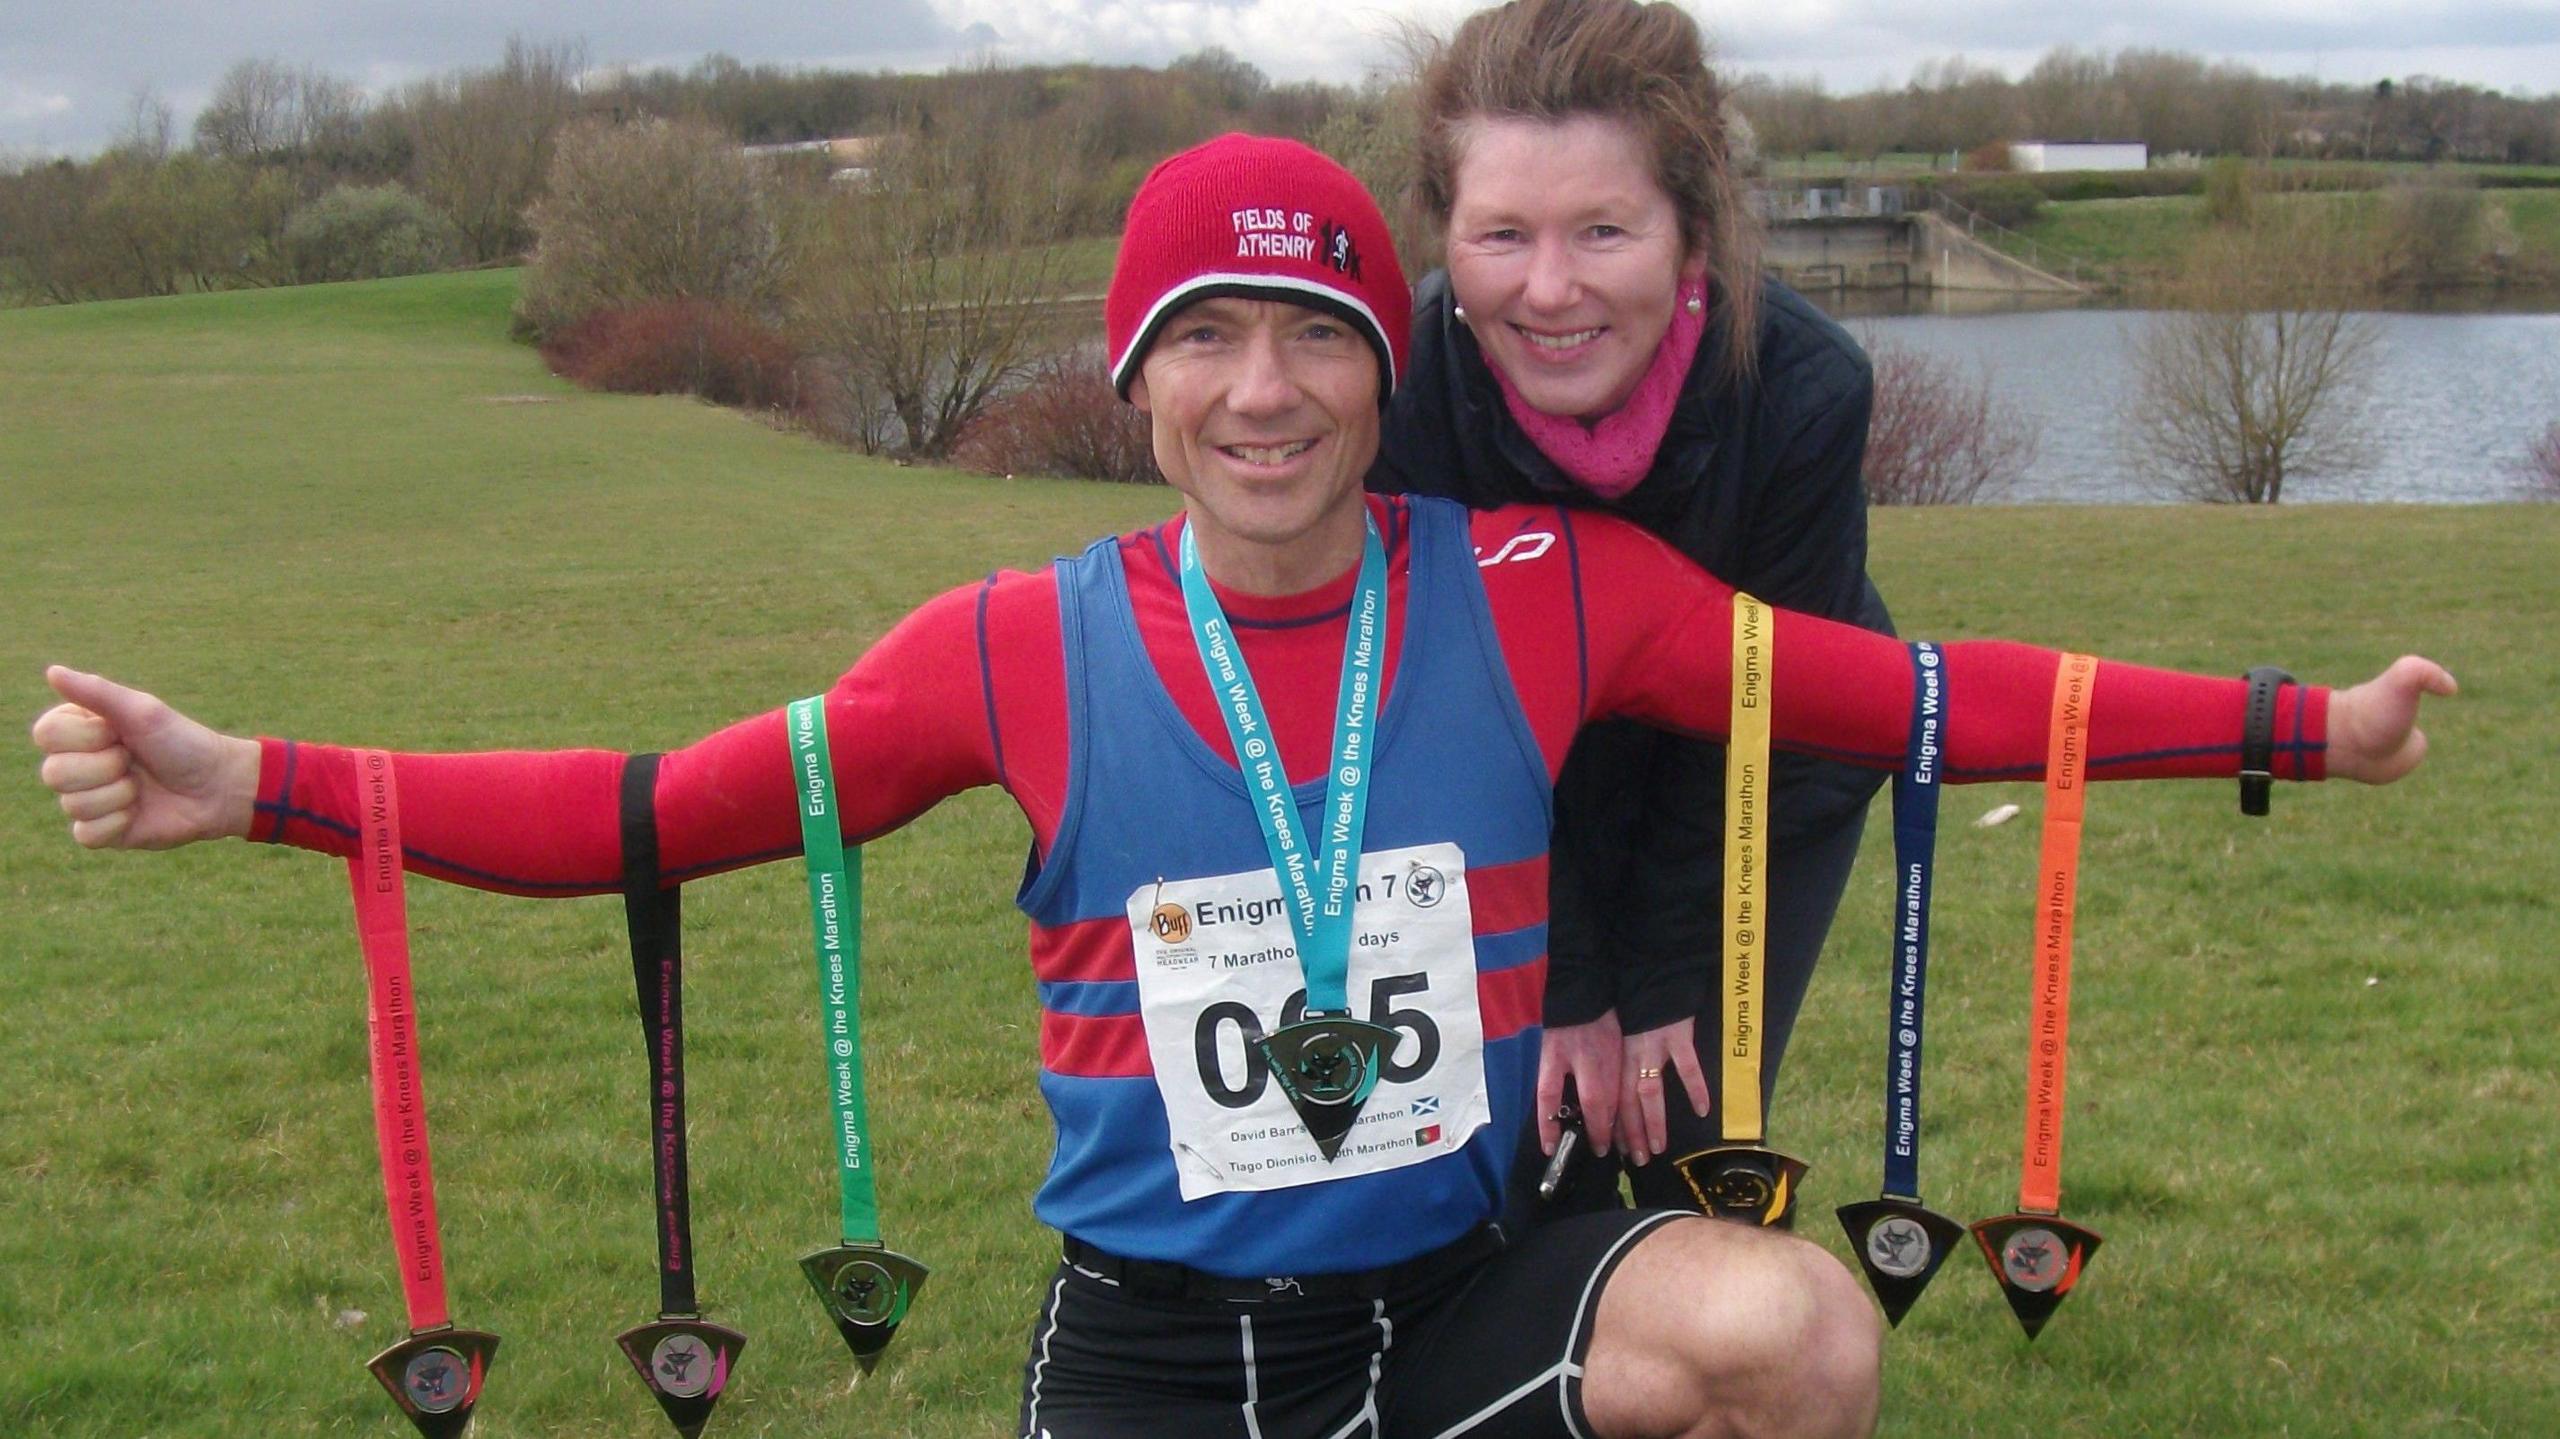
(1149, 799)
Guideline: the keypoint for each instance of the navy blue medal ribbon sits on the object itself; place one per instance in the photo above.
(1328, 1063)
(1899, 1242)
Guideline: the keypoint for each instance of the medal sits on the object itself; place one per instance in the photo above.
(866, 1290)
(865, 1286)
(1741, 1179)
(435, 1374)
(1326, 1064)
(684, 1360)
(2036, 1255)
(1899, 1242)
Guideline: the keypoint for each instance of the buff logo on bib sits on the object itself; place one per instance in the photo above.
(1209, 998)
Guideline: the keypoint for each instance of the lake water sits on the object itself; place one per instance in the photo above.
(2456, 399)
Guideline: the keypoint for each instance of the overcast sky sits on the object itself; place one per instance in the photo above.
(68, 71)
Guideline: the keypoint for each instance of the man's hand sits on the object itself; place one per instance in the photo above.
(133, 773)
(2373, 727)
(1587, 1054)
(1671, 1048)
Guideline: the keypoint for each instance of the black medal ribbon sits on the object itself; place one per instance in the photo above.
(684, 1360)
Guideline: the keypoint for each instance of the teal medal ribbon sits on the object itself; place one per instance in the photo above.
(865, 1286)
(1899, 1242)
(1327, 1064)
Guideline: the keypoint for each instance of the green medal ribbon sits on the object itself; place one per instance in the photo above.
(865, 1286)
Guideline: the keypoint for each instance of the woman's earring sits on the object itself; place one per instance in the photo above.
(1460, 311)
(1695, 304)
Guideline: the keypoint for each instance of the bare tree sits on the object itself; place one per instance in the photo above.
(921, 289)
(264, 109)
(2539, 471)
(481, 141)
(149, 126)
(2255, 373)
(1935, 437)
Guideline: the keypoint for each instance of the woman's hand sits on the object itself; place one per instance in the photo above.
(133, 773)
(1649, 1055)
(1587, 1054)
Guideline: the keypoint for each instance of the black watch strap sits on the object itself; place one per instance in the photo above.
(2258, 738)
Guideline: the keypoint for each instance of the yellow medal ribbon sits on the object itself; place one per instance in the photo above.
(1746, 795)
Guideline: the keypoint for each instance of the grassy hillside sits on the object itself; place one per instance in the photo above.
(2314, 1067)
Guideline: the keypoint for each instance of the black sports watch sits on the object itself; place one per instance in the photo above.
(2258, 738)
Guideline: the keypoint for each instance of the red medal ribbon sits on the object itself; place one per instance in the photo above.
(391, 1019)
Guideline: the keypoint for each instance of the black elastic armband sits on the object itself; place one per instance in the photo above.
(2258, 738)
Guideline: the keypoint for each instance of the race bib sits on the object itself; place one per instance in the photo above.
(1218, 969)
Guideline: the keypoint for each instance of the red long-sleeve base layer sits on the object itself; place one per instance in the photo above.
(1595, 619)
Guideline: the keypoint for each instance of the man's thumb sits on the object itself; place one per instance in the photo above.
(125, 708)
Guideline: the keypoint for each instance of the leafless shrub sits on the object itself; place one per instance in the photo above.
(1935, 438)
(2434, 228)
(654, 210)
(1065, 420)
(922, 289)
(2539, 470)
(2257, 372)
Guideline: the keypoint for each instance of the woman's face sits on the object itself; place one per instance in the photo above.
(1566, 256)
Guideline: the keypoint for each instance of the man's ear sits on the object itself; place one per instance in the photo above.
(1138, 393)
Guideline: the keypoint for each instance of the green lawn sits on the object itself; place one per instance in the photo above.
(2150, 236)
(2314, 1065)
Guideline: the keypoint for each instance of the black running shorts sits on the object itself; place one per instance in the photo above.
(1491, 1348)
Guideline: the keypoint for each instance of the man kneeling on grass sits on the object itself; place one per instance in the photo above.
(1148, 704)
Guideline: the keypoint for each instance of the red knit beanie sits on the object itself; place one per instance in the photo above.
(1263, 219)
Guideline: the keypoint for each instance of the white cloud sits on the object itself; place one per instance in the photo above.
(18, 104)
(1332, 40)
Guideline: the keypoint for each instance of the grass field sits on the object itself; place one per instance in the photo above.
(2314, 1081)
(2148, 237)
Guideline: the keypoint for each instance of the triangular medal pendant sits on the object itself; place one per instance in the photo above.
(1744, 1183)
(867, 1290)
(2038, 1259)
(1900, 1246)
(1326, 1067)
(686, 1362)
(435, 1377)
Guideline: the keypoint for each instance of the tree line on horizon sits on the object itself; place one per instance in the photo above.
(293, 174)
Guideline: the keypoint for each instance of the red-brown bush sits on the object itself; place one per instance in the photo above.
(1063, 421)
(678, 347)
(1936, 438)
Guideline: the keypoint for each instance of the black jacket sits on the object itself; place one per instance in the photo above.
(1757, 482)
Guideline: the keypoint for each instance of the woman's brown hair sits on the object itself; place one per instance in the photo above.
(1644, 65)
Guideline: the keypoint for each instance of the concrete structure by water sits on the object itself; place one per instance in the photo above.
(1899, 252)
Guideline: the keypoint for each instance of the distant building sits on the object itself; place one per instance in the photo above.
(849, 158)
(2039, 155)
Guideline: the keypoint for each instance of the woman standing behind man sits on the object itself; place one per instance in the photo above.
(1602, 337)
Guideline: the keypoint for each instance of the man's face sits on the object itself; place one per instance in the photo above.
(1266, 419)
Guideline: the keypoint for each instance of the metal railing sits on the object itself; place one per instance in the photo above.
(2051, 259)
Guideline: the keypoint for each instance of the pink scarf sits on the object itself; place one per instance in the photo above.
(1610, 457)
